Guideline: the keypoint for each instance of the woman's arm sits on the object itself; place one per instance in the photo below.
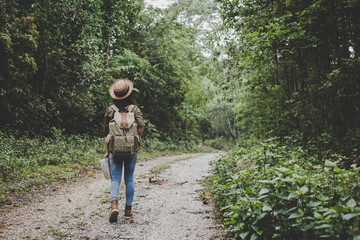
(141, 130)
(108, 116)
(106, 149)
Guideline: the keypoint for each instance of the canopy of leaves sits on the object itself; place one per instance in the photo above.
(297, 63)
(60, 57)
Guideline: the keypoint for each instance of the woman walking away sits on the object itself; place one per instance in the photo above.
(123, 129)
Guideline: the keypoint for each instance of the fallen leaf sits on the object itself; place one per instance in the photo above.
(130, 221)
(206, 198)
(156, 181)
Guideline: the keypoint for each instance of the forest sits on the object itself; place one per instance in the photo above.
(275, 83)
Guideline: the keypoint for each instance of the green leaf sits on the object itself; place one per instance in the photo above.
(282, 169)
(318, 215)
(328, 76)
(266, 181)
(283, 211)
(264, 191)
(329, 226)
(258, 218)
(329, 163)
(249, 191)
(303, 190)
(292, 195)
(267, 208)
(257, 229)
(324, 198)
(277, 226)
(295, 175)
(339, 209)
(254, 236)
(244, 235)
(308, 226)
(295, 215)
(349, 216)
(351, 203)
(313, 204)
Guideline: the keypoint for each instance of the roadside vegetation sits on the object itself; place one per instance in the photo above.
(30, 164)
(59, 59)
(227, 73)
(289, 72)
(277, 191)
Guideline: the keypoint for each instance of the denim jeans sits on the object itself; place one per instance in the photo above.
(116, 166)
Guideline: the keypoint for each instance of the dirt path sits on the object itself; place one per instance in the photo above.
(168, 207)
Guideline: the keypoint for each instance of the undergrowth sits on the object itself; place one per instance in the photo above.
(280, 192)
(224, 144)
(220, 143)
(28, 164)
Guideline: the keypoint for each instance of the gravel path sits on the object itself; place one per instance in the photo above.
(167, 205)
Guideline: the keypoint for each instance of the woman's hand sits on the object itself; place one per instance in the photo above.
(106, 149)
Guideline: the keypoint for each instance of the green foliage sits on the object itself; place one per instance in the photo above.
(220, 143)
(25, 154)
(29, 163)
(169, 146)
(60, 57)
(296, 67)
(168, 46)
(273, 191)
(222, 117)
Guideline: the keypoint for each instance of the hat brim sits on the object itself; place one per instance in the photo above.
(112, 93)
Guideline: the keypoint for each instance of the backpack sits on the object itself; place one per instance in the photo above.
(123, 138)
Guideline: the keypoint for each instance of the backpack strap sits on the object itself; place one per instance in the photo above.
(131, 107)
(115, 108)
(121, 117)
(117, 115)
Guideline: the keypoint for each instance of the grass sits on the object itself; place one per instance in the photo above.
(57, 233)
(28, 166)
(41, 178)
(77, 215)
(163, 166)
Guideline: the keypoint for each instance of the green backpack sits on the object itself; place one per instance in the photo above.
(123, 138)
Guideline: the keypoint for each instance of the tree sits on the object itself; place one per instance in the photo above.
(72, 51)
(300, 58)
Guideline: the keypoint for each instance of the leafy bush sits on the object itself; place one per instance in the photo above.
(219, 143)
(29, 162)
(19, 154)
(273, 191)
(16, 155)
(155, 145)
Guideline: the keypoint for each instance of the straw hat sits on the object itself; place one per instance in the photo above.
(121, 89)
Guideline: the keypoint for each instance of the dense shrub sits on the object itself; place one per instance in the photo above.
(18, 154)
(155, 145)
(219, 143)
(27, 163)
(274, 192)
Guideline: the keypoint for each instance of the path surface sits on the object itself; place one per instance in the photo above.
(167, 207)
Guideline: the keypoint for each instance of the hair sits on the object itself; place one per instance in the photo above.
(123, 102)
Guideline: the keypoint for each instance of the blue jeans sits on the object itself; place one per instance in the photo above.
(116, 166)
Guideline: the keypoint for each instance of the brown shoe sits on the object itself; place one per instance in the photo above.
(114, 212)
(128, 212)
